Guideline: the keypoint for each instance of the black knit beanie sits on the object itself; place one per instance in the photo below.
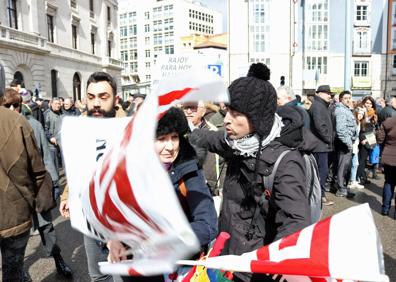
(256, 98)
(173, 120)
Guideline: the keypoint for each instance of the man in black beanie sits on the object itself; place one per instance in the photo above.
(251, 144)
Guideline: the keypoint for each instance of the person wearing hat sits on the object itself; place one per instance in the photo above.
(322, 128)
(252, 142)
(180, 160)
(36, 112)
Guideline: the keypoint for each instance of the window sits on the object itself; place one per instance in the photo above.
(133, 54)
(91, 9)
(93, 43)
(317, 63)
(73, 4)
(146, 15)
(147, 40)
(148, 65)
(361, 13)
(124, 43)
(169, 49)
(146, 28)
(148, 77)
(108, 14)
(132, 17)
(132, 30)
(12, 14)
(133, 66)
(124, 56)
(317, 26)
(168, 37)
(157, 25)
(133, 42)
(361, 68)
(168, 24)
(54, 83)
(50, 27)
(394, 62)
(74, 36)
(123, 31)
(108, 48)
(147, 53)
(362, 40)
(158, 39)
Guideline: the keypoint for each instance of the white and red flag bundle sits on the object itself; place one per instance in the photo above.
(344, 247)
(123, 192)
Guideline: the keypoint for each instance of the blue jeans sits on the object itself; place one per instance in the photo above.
(389, 187)
(355, 164)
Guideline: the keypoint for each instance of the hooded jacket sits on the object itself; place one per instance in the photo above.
(23, 178)
(288, 209)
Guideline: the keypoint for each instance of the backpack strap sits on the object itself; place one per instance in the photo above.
(269, 180)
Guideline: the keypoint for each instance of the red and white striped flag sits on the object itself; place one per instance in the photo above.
(345, 247)
(130, 197)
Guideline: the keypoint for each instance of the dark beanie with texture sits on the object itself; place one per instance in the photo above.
(257, 99)
(174, 120)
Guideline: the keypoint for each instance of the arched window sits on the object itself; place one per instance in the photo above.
(54, 83)
(19, 76)
(76, 87)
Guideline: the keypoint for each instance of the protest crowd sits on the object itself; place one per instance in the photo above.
(264, 155)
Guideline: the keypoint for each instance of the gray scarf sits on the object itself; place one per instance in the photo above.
(248, 146)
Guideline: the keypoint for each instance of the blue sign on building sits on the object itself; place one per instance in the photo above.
(215, 68)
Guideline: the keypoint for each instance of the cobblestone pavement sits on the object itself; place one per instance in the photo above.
(41, 268)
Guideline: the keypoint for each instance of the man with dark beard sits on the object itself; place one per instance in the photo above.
(101, 102)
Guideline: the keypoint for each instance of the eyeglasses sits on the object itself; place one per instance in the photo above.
(14, 105)
(191, 108)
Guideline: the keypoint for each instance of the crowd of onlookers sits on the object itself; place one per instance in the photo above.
(216, 150)
(356, 127)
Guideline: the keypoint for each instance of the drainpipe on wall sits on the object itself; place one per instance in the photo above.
(387, 50)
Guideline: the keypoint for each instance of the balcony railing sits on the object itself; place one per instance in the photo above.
(358, 49)
(107, 61)
(73, 54)
(7, 33)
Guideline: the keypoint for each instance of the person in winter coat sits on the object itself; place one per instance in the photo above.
(42, 221)
(69, 108)
(345, 136)
(322, 128)
(180, 160)
(25, 186)
(367, 129)
(254, 138)
(386, 136)
(53, 123)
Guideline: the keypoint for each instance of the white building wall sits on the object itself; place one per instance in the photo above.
(27, 49)
(282, 53)
(181, 28)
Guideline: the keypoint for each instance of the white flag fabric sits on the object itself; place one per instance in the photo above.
(345, 246)
(123, 192)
